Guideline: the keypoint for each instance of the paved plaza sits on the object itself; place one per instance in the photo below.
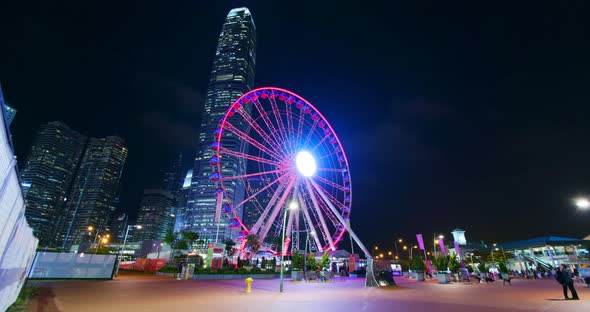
(153, 293)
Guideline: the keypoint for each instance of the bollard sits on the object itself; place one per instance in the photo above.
(249, 281)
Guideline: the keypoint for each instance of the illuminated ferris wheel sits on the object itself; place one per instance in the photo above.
(289, 150)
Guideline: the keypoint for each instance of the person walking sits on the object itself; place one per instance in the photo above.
(564, 278)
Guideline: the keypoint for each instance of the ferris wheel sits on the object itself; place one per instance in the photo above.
(275, 153)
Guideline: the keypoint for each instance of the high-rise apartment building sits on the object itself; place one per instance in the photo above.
(231, 76)
(93, 197)
(182, 201)
(155, 215)
(47, 174)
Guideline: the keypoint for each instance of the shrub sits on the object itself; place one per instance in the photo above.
(417, 264)
(454, 264)
(502, 268)
(481, 267)
(297, 261)
(168, 269)
(441, 263)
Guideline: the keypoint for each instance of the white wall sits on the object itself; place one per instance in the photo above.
(17, 243)
(72, 265)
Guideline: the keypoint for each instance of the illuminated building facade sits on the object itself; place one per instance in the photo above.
(231, 76)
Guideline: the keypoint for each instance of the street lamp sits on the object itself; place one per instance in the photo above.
(292, 206)
(411, 249)
(582, 203)
(312, 232)
(124, 243)
(159, 248)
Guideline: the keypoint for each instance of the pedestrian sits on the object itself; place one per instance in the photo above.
(179, 268)
(507, 279)
(564, 278)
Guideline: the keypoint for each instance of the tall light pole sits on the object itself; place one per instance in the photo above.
(292, 206)
(159, 248)
(312, 232)
(124, 243)
(411, 249)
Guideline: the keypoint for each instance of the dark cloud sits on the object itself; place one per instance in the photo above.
(168, 129)
(422, 107)
(187, 99)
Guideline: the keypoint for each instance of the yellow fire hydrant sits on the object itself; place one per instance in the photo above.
(249, 281)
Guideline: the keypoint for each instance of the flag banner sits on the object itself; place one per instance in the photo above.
(218, 207)
(420, 241)
(442, 246)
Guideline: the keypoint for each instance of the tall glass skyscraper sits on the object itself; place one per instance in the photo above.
(154, 215)
(231, 76)
(93, 197)
(47, 175)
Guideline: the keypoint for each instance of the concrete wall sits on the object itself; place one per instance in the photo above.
(17, 243)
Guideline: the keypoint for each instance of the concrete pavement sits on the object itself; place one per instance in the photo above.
(152, 293)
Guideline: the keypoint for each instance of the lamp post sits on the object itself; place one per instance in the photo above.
(159, 248)
(411, 249)
(312, 232)
(292, 206)
(124, 243)
(104, 240)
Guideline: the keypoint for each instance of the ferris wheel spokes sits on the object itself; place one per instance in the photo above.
(250, 175)
(258, 192)
(240, 134)
(280, 125)
(268, 224)
(262, 219)
(229, 152)
(267, 121)
(324, 226)
(308, 221)
(254, 125)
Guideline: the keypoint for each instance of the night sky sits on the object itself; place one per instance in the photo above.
(465, 116)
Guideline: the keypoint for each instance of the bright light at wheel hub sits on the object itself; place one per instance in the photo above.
(305, 164)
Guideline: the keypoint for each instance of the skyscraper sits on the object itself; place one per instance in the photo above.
(231, 76)
(173, 180)
(10, 113)
(154, 215)
(93, 197)
(182, 200)
(47, 174)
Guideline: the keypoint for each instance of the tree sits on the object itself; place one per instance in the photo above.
(273, 240)
(417, 264)
(441, 263)
(180, 240)
(481, 267)
(229, 246)
(273, 263)
(253, 243)
(325, 263)
(311, 263)
(454, 264)
(297, 261)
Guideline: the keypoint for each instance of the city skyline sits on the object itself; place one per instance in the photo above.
(457, 121)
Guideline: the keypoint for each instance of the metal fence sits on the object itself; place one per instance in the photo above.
(17, 243)
(52, 265)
